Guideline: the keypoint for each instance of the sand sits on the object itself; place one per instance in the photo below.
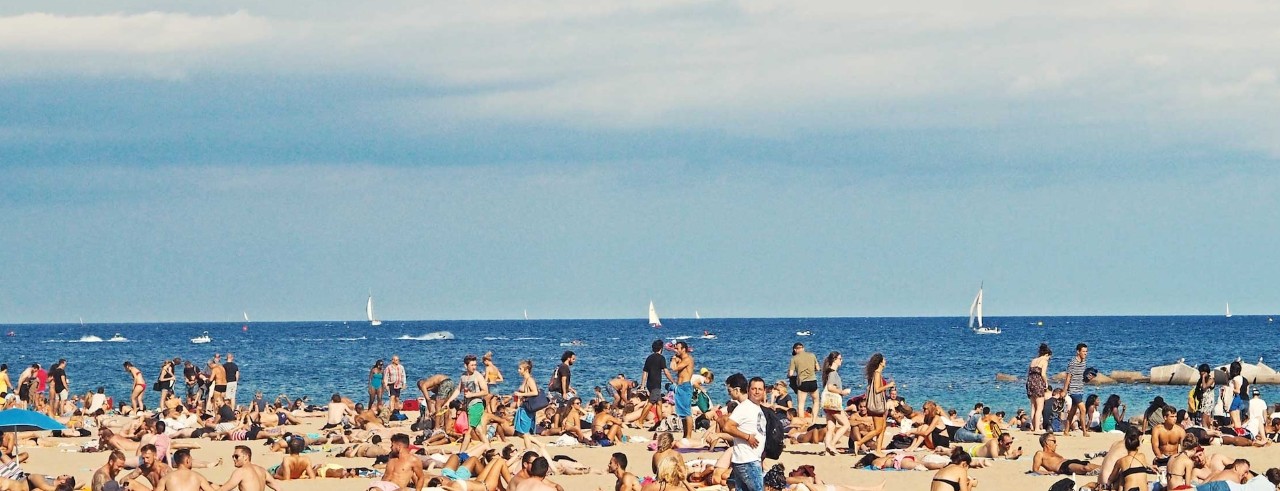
(1004, 475)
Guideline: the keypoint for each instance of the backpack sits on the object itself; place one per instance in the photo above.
(1063, 485)
(775, 433)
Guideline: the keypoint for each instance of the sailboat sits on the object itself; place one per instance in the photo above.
(526, 314)
(975, 311)
(654, 322)
(368, 310)
(246, 316)
(696, 315)
(1228, 310)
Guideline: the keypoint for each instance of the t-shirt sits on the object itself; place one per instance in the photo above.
(226, 414)
(653, 368)
(43, 378)
(805, 367)
(1075, 369)
(1257, 415)
(833, 378)
(233, 371)
(783, 401)
(750, 421)
(561, 371)
(190, 372)
(56, 375)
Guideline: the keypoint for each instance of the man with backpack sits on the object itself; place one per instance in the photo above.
(747, 425)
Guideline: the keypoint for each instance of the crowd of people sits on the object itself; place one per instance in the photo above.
(462, 431)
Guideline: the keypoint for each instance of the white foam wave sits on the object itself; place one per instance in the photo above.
(361, 338)
(87, 339)
(431, 336)
(530, 338)
(496, 338)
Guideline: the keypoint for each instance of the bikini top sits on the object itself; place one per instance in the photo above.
(953, 484)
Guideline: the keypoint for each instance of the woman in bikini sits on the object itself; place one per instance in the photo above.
(164, 383)
(1130, 472)
(897, 460)
(375, 385)
(1038, 386)
(954, 477)
(139, 386)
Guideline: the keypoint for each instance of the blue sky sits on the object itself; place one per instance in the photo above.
(578, 159)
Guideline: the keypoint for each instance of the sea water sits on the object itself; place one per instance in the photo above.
(930, 358)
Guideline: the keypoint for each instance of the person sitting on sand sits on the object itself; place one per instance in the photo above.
(605, 427)
(536, 480)
(338, 413)
(955, 475)
(403, 469)
(1130, 471)
(149, 468)
(295, 465)
(1048, 462)
(999, 447)
(1166, 438)
(670, 477)
(626, 481)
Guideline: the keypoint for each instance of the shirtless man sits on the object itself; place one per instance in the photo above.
(183, 478)
(337, 412)
(403, 469)
(36, 481)
(218, 376)
(1166, 438)
(622, 388)
(537, 475)
(438, 390)
(1002, 447)
(682, 364)
(626, 480)
(105, 477)
(153, 470)
(248, 476)
(139, 386)
(1048, 462)
(1237, 472)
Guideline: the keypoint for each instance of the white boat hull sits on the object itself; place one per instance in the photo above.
(986, 330)
(375, 323)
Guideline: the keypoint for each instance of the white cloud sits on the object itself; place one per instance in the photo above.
(146, 33)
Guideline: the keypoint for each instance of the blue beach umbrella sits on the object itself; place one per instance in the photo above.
(24, 420)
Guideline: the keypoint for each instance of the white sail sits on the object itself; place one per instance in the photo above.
(975, 309)
(1228, 309)
(526, 314)
(696, 315)
(246, 315)
(653, 316)
(368, 310)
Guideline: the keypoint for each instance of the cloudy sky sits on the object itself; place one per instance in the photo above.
(577, 159)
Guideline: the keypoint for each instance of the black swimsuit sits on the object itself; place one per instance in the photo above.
(1065, 468)
(953, 484)
(1131, 471)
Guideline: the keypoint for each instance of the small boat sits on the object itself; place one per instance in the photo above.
(11, 334)
(368, 310)
(654, 322)
(805, 332)
(576, 342)
(975, 312)
(118, 338)
(202, 339)
(707, 335)
(431, 336)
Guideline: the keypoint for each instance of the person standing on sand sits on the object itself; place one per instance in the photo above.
(747, 426)
(560, 388)
(218, 376)
(474, 392)
(876, 385)
(682, 364)
(804, 367)
(139, 386)
(233, 377)
(655, 367)
(492, 375)
(1074, 388)
(248, 476)
(394, 378)
(375, 386)
(1038, 386)
(58, 385)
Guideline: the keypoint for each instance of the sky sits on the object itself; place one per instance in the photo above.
(163, 162)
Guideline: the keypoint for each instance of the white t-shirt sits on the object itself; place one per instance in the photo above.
(750, 421)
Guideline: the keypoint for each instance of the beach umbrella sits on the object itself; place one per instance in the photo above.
(24, 420)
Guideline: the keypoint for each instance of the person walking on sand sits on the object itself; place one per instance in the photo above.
(682, 364)
(139, 386)
(1074, 387)
(560, 388)
(833, 402)
(804, 367)
(394, 378)
(878, 391)
(1038, 386)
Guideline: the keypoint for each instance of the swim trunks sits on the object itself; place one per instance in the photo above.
(393, 391)
(445, 388)
(384, 485)
(684, 400)
(475, 412)
(220, 388)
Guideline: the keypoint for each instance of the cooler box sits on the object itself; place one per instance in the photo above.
(411, 405)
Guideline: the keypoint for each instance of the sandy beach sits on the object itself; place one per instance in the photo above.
(1004, 475)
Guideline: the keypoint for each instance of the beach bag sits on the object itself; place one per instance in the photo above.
(876, 401)
(831, 401)
(775, 433)
(1063, 485)
(536, 403)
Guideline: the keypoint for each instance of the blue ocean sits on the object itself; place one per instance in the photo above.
(931, 358)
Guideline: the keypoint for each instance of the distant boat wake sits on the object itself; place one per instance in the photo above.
(361, 338)
(431, 336)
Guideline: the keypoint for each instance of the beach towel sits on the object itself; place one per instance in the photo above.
(523, 421)
(684, 400)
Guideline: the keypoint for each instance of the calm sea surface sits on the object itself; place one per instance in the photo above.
(931, 358)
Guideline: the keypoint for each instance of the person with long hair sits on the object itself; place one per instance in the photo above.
(1204, 395)
(1238, 386)
(1113, 415)
(1038, 386)
(833, 393)
(955, 476)
(876, 386)
(1130, 472)
(375, 385)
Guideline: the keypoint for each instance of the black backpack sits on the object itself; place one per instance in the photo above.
(775, 433)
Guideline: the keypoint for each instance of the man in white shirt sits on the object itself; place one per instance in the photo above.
(747, 425)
